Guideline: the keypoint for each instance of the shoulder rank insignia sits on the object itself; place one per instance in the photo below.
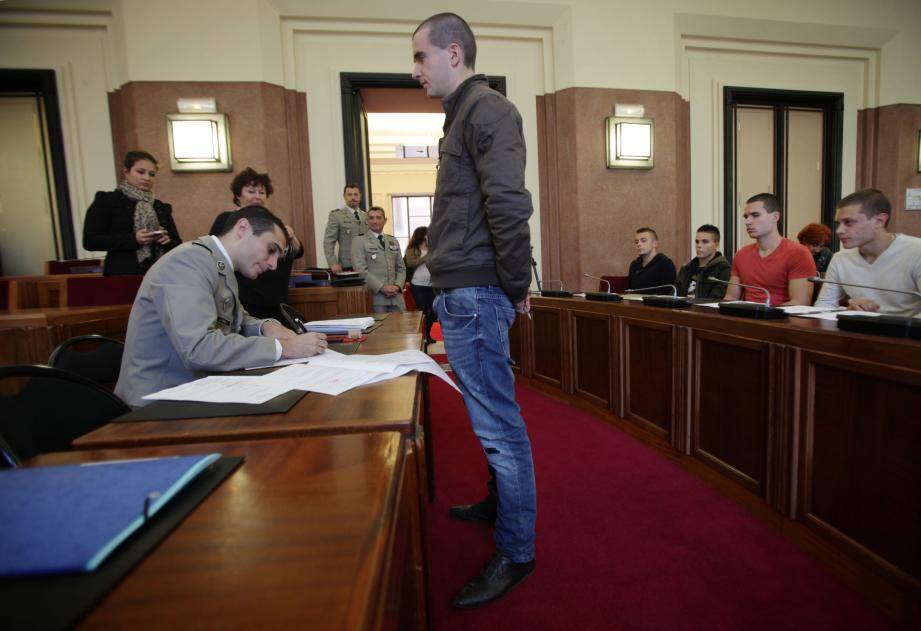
(220, 266)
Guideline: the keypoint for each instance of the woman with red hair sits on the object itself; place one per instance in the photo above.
(816, 237)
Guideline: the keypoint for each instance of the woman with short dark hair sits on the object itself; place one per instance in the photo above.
(132, 227)
(260, 296)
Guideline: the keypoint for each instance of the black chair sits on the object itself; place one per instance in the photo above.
(95, 357)
(291, 318)
(45, 409)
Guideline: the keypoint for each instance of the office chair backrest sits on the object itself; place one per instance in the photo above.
(45, 409)
(95, 357)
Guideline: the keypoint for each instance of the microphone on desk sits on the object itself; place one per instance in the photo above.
(669, 302)
(754, 310)
(554, 293)
(871, 322)
(600, 295)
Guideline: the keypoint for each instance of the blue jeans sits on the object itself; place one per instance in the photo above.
(475, 323)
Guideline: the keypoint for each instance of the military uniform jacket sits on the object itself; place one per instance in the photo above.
(380, 266)
(341, 228)
(187, 320)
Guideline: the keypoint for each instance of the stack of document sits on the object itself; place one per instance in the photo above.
(330, 373)
(340, 327)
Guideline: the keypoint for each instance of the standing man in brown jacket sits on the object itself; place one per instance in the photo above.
(479, 259)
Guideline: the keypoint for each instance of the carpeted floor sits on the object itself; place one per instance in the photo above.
(625, 540)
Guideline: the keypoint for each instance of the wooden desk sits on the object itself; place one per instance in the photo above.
(821, 424)
(27, 336)
(394, 405)
(324, 303)
(404, 322)
(318, 533)
(40, 292)
(399, 405)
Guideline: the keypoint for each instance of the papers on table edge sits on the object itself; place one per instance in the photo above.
(330, 373)
(793, 310)
(340, 326)
(833, 315)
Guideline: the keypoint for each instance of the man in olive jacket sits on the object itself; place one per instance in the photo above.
(694, 277)
(479, 259)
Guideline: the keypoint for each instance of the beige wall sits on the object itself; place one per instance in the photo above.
(867, 50)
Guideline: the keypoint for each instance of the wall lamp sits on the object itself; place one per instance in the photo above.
(629, 138)
(199, 137)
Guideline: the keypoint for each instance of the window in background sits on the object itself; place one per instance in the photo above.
(409, 212)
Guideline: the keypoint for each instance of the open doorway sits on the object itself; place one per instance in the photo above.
(404, 127)
(403, 94)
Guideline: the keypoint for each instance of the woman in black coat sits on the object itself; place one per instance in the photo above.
(132, 227)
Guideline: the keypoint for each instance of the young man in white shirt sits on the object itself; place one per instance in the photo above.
(875, 257)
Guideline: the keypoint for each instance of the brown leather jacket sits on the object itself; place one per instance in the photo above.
(479, 232)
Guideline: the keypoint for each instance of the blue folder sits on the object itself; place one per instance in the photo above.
(68, 519)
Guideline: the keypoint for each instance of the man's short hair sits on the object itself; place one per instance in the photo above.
(259, 218)
(449, 28)
(249, 176)
(769, 200)
(710, 229)
(348, 186)
(378, 208)
(872, 202)
(654, 234)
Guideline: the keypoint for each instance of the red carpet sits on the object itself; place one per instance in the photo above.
(625, 540)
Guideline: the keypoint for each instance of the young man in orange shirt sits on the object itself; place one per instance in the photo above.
(779, 265)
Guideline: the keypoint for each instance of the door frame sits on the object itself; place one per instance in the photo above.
(354, 118)
(43, 83)
(832, 106)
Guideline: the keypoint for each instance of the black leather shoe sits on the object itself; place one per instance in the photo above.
(498, 578)
(484, 511)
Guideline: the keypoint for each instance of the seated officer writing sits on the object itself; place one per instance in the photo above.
(187, 320)
(872, 256)
(376, 257)
(694, 278)
(775, 263)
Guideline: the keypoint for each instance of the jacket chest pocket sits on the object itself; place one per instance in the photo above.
(455, 169)
(225, 304)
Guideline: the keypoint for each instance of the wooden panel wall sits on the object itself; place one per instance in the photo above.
(820, 425)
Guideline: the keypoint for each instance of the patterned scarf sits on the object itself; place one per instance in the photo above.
(144, 217)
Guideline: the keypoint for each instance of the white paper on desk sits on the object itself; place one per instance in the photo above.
(221, 389)
(833, 315)
(716, 305)
(433, 369)
(296, 360)
(802, 310)
(386, 366)
(637, 297)
(323, 379)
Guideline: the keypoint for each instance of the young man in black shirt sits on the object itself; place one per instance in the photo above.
(650, 268)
